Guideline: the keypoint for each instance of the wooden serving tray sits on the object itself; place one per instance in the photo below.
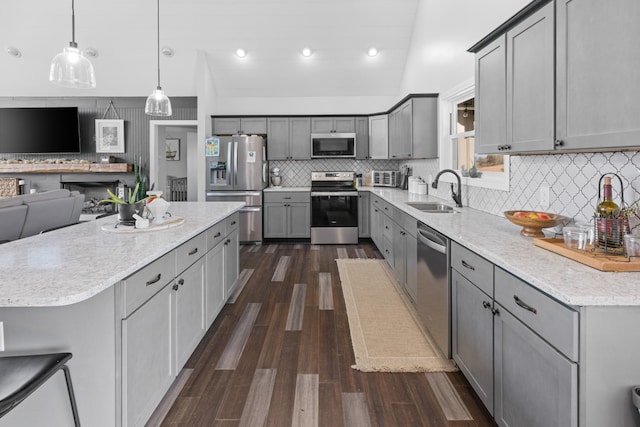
(596, 259)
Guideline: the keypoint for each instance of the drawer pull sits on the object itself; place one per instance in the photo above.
(154, 280)
(193, 252)
(233, 223)
(218, 234)
(175, 287)
(486, 304)
(524, 305)
(181, 282)
(287, 198)
(467, 265)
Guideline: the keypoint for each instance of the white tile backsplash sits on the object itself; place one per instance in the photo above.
(572, 179)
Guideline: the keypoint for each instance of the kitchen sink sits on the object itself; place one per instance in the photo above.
(432, 207)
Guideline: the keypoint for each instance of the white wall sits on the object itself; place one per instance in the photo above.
(438, 58)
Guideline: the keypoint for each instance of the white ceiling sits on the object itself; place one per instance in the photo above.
(273, 32)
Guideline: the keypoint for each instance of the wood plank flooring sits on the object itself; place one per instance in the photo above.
(279, 354)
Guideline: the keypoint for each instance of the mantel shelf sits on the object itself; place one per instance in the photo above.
(65, 167)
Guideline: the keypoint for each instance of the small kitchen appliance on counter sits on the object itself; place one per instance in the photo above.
(334, 208)
(385, 178)
(276, 178)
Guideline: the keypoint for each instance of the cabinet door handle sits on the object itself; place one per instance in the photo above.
(175, 287)
(154, 280)
(495, 312)
(467, 265)
(524, 305)
(181, 282)
(218, 234)
(233, 223)
(193, 252)
(558, 143)
(486, 304)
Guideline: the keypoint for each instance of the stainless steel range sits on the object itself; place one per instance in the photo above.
(334, 208)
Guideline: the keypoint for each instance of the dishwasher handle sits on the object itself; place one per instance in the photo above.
(432, 241)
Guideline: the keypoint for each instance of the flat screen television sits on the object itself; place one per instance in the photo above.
(39, 130)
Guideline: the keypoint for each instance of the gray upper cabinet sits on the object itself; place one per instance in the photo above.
(491, 97)
(362, 138)
(239, 125)
(559, 78)
(379, 137)
(597, 74)
(413, 129)
(300, 138)
(333, 124)
(288, 138)
(530, 74)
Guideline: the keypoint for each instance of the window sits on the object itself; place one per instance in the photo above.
(457, 143)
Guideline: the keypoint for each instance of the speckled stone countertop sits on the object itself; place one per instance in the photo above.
(272, 189)
(72, 264)
(499, 241)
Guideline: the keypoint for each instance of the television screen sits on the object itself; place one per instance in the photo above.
(39, 130)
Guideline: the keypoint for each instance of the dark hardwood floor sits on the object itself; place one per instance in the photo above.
(280, 355)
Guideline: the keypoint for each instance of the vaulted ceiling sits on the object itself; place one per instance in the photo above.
(206, 33)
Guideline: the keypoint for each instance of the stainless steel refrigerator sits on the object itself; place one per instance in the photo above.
(237, 171)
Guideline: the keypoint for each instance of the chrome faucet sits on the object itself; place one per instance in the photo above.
(457, 197)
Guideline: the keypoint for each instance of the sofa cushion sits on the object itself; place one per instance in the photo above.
(46, 195)
(11, 222)
(7, 202)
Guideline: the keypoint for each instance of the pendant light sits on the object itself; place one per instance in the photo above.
(158, 103)
(71, 68)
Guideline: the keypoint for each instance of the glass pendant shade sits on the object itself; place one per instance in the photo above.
(72, 69)
(158, 104)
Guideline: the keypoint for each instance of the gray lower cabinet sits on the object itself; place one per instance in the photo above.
(377, 220)
(287, 214)
(189, 311)
(364, 217)
(472, 337)
(517, 347)
(164, 315)
(148, 366)
(535, 385)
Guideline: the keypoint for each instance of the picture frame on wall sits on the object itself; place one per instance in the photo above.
(172, 149)
(109, 136)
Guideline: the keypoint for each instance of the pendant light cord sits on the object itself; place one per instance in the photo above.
(73, 24)
(158, 50)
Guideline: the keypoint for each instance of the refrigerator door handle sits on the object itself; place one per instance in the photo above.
(235, 162)
(229, 178)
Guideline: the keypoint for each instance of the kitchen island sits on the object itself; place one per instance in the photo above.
(576, 345)
(109, 298)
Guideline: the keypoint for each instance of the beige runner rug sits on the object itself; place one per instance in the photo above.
(385, 332)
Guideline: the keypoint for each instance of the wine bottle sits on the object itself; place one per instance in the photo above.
(607, 213)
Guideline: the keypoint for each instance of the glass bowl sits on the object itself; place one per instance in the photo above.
(532, 222)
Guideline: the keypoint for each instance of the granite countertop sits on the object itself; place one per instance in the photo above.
(74, 263)
(276, 189)
(499, 241)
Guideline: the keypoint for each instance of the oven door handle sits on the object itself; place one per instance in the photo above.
(334, 193)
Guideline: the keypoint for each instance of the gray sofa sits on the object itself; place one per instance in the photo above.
(30, 214)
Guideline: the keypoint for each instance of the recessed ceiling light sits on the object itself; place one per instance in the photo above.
(241, 53)
(372, 52)
(14, 51)
(306, 52)
(167, 51)
(91, 52)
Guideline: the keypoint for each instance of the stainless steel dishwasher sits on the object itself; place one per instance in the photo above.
(434, 299)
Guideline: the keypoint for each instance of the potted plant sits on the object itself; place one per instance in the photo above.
(129, 205)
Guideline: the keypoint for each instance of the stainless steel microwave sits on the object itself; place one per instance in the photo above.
(333, 145)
